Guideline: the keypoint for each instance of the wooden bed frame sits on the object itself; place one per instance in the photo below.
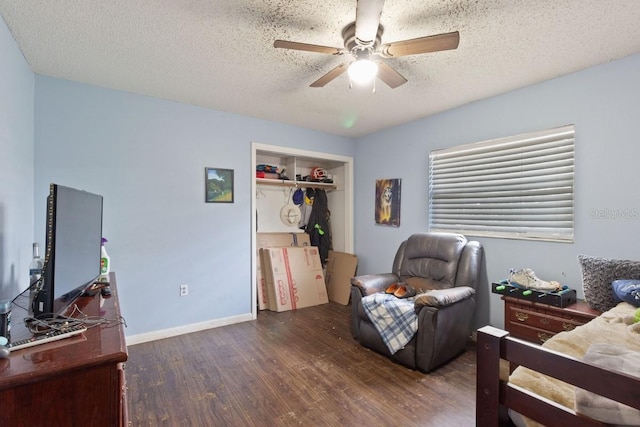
(494, 395)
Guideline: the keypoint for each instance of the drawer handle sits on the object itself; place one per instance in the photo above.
(568, 326)
(543, 337)
(522, 316)
(545, 321)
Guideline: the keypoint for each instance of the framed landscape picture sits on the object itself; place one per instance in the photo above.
(218, 185)
(388, 202)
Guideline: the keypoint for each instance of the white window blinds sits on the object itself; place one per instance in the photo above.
(517, 187)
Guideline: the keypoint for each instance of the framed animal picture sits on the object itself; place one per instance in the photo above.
(388, 202)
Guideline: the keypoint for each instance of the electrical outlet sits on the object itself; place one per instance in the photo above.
(184, 290)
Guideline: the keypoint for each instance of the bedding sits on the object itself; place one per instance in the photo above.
(614, 328)
(612, 358)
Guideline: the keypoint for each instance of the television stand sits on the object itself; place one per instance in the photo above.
(76, 381)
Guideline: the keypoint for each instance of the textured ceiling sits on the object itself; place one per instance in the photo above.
(219, 53)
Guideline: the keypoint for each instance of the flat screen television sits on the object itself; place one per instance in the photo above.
(72, 250)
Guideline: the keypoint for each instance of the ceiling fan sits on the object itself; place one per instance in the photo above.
(362, 39)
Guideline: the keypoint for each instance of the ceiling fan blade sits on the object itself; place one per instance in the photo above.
(284, 44)
(368, 20)
(329, 76)
(391, 77)
(446, 41)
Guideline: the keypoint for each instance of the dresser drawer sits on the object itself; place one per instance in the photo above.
(522, 316)
(527, 333)
(535, 322)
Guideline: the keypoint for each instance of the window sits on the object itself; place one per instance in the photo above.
(518, 187)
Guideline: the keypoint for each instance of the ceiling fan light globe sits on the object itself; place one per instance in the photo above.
(363, 71)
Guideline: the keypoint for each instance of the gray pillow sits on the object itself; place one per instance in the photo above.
(597, 276)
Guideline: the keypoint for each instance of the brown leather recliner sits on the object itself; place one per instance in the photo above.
(445, 269)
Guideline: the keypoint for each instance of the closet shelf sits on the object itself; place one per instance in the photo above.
(289, 183)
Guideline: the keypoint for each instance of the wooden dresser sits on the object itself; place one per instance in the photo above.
(536, 323)
(77, 381)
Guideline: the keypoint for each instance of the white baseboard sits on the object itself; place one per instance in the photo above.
(186, 329)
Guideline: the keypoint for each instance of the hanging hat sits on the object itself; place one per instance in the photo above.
(298, 197)
(290, 215)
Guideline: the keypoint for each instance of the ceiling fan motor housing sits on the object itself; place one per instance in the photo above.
(351, 42)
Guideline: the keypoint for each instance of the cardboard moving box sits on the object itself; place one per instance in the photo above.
(341, 267)
(294, 277)
(267, 240)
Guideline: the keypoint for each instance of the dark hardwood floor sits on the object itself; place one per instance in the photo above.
(292, 368)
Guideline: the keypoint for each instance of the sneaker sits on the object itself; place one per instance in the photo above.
(526, 278)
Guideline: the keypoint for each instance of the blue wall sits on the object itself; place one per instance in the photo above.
(16, 166)
(147, 157)
(603, 104)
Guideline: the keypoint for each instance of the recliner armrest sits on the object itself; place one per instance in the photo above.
(444, 297)
(372, 283)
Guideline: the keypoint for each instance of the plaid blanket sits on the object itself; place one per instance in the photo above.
(394, 318)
